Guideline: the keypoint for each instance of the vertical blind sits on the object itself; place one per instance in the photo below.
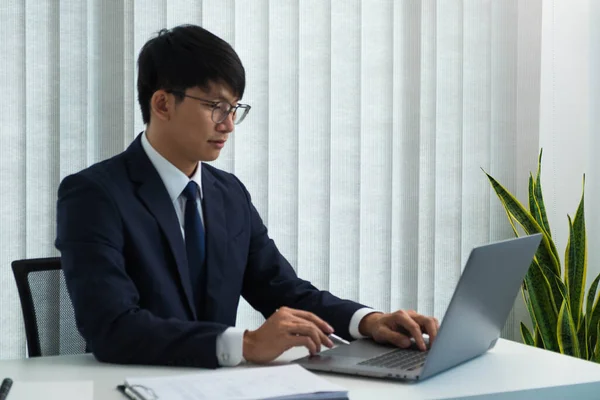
(370, 121)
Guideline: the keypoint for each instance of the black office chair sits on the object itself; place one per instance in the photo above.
(47, 310)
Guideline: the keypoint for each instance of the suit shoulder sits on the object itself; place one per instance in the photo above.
(103, 172)
(226, 180)
(224, 177)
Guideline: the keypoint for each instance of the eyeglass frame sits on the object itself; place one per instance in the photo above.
(215, 106)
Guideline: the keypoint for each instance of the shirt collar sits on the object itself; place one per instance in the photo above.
(173, 179)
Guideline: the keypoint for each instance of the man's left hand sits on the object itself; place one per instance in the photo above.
(398, 327)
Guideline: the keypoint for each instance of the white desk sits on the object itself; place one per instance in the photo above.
(509, 371)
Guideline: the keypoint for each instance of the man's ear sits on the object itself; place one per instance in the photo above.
(162, 105)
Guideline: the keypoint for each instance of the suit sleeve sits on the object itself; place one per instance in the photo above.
(270, 282)
(91, 240)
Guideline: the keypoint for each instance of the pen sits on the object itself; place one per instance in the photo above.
(5, 388)
(127, 392)
(338, 339)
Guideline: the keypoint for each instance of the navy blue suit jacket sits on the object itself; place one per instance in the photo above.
(125, 265)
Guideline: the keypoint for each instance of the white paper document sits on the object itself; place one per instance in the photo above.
(272, 382)
(67, 390)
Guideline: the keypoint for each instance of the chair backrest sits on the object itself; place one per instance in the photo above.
(47, 310)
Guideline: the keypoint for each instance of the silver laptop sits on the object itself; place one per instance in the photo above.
(478, 310)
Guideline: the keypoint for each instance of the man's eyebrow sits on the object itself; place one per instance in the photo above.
(223, 98)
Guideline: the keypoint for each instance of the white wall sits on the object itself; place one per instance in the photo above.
(567, 112)
(593, 170)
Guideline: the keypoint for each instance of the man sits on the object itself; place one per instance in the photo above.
(157, 247)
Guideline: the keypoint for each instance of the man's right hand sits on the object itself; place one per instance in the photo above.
(285, 329)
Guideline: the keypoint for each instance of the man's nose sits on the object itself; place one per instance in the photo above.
(227, 125)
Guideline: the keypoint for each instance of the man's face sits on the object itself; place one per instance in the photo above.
(195, 134)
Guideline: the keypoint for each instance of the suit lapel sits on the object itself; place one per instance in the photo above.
(155, 197)
(216, 240)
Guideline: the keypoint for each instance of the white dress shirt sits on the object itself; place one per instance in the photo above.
(230, 342)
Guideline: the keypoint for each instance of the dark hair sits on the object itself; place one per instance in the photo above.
(184, 57)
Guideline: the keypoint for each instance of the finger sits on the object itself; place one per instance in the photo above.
(305, 329)
(429, 325)
(397, 339)
(414, 314)
(324, 339)
(324, 326)
(305, 341)
(404, 320)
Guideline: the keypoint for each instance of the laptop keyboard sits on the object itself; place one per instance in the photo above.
(398, 359)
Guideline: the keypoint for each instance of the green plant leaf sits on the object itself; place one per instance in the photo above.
(593, 318)
(527, 221)
(563, 289)
(545, 314)
(527, 338)
(540, 209)
(539, 198)
(527, 301)
(590, 299)
(567, 332)
(532, 205)
(536, 213)
(582, 336)
(576, 262)
(596, 354)
(537, 340)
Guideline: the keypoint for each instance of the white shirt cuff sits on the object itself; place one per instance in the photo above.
(355, 321)
(230, 347)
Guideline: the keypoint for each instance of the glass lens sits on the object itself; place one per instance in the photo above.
(240, 114)
(220, 112)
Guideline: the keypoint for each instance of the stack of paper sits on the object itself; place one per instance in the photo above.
(275, 382)
(72, 390)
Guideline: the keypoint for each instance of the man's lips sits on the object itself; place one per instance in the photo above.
(219, 144)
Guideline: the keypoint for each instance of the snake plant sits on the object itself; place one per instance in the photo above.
(561, 320)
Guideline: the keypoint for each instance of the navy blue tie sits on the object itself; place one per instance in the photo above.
(194, 243)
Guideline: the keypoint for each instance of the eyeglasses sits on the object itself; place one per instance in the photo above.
(220, 109)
